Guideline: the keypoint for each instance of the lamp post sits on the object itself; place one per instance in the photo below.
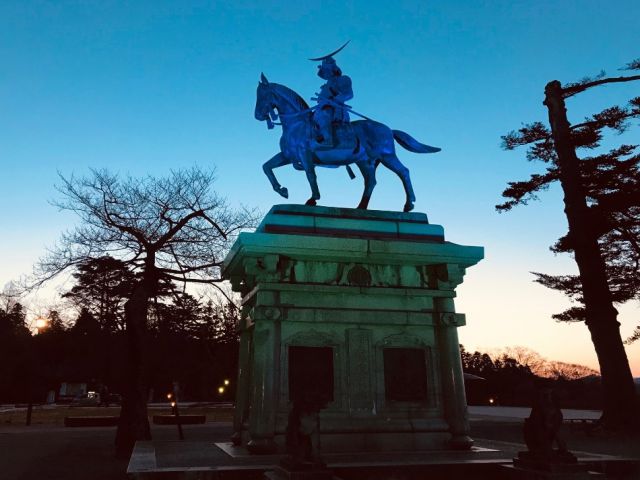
(173, 398)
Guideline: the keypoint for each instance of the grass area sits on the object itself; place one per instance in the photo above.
(52, 416)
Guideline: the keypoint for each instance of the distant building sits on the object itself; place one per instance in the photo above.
(68, 391)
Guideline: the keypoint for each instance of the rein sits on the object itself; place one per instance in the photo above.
(273, 116)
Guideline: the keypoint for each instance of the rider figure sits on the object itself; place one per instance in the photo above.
(331, 101)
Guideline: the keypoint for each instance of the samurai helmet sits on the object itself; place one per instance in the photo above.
(329, 61)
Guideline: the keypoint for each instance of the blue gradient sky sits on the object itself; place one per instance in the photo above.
(144, 87)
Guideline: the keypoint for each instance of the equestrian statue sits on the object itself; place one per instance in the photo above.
(324, 136)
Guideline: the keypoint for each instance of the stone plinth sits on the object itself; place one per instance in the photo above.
(279, 473)
(573, 472)
(364, 301)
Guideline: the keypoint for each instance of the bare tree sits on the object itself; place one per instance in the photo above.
(524, 356)
(542, 367)
(174, 228)
(567, 371)
(9, 296)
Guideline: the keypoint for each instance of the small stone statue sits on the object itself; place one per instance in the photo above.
(303, 436)
(541, 432)
(303, 461)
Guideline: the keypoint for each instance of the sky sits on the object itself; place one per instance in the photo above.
(145, 87)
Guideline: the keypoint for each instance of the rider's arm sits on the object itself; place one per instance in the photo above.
(343, 90)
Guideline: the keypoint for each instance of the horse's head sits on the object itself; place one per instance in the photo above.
(273, 99)
(265, 101)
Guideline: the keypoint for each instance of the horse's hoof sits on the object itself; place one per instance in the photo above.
(361, 206)
(283, 192)
(408, 207)
(311, 202)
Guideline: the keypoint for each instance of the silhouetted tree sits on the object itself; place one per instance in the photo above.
(477, 363)
(183, 315)
(55, 323)
(601, 205)
(509, 381)
(172, 228)
(611, 181)
(86, 324)
(505, 376)
(525, 357)
(220, 322)
(102, 286)
(13, 318)
(568, 371)
(14, 354)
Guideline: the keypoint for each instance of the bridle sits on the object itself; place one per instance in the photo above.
(272, 115)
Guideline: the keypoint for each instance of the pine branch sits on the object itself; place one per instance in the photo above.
(521, 193)
(635, 336)
(575, 88)
(632, 65)
(571, 315)
(533, 132)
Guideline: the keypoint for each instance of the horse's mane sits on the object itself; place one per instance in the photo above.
(290, 95)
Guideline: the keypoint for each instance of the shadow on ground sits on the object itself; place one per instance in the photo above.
(58, 453)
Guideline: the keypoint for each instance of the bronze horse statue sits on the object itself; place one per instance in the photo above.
(366, 143)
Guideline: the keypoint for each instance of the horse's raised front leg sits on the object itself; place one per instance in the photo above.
(277, 161)
(392, 162)
(368, 171)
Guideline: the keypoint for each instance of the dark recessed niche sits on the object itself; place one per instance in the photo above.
(405, 374)
(311, 374)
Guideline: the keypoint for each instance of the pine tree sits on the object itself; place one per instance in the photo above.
(102, 287)
(602, 207)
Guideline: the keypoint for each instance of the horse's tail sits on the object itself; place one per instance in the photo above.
(408, 142)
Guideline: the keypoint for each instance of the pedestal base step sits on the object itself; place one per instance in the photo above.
(579, 472)
(279, 473)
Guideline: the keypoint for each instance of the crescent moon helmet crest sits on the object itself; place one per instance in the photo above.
(330, 55)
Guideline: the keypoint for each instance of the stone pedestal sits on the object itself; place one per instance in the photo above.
(573, 472)
(357, 305)
(561, 466)
(280, 473)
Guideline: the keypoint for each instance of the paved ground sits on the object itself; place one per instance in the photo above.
(58, 453)
(520, 413)
(49, 453)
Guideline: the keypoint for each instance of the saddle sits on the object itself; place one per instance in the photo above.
(345, 143)
(344, 137)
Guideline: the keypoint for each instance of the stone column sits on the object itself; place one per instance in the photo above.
(263, 389)
(242, 386)
(359, 395)
(453, 394)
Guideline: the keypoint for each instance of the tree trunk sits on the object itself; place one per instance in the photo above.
(134, 421)
(619, 402)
